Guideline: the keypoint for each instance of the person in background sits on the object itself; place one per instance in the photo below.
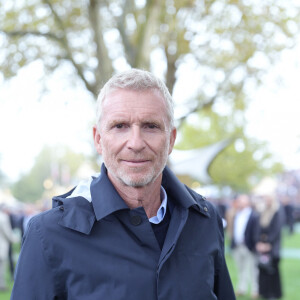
(229, 217)
(16, 222)
(6, 237)
(268, 247)
(244, 237)
(134, 231)
(29, 212)
(288, 209)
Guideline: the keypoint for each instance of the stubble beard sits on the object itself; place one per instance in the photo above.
(126, 179)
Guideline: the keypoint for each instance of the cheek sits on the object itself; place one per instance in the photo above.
(162, 147)
(110, 145)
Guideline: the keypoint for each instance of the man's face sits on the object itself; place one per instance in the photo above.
(243, 201)
(134, 138)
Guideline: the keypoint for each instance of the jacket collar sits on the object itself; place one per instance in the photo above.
(182, 195)
(80, 215)
(105, 198)
(77, 213)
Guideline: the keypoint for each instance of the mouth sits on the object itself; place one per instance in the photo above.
(135, 162)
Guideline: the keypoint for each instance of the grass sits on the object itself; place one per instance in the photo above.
(291, 240)
(289, 267)
(6, 295)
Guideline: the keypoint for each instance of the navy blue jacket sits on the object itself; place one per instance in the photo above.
(251, 232)
(97, 250)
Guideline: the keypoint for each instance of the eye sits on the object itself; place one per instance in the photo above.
(151, 126)
(121, 126)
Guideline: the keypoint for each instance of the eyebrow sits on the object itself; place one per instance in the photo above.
(160, 123)
(113, 122)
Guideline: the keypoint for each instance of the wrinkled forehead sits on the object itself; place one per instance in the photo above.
(115, 90)
(146, 98)
(131, 101)
(141, 106)
(108, 93)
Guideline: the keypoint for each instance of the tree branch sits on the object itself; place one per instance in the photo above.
(210, 102)
(137, 52)
(104, 69)
(65, 44)
(20, 33)
(57, 18)
(130, 50)
(144, 33)
(197, 108)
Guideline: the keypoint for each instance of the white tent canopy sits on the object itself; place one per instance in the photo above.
(195, 163)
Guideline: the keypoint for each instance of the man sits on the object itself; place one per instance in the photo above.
(134, 232)
(244, 237)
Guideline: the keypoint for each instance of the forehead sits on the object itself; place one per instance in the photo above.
(124, 101)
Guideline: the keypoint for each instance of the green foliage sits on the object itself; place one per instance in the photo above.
(222, 35)
(242, 164)
(242, 169)
(291, 241)
(231, 43)
(57, 164)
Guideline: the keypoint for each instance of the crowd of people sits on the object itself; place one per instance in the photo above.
(254, 228)
(254, 224)
(288, 194)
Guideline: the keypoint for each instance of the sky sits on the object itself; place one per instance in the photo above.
(274, 113)
(65, 114)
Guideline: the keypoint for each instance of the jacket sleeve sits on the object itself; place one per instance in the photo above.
(34, 278)
(222, 285)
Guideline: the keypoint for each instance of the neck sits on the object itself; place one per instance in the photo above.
(147, 196)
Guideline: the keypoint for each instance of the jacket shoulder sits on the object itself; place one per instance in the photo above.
(49, 218)
(202, 201)
(75, 213)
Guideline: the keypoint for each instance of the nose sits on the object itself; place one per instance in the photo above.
(135, 140)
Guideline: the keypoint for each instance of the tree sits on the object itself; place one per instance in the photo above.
(57, 164)
(232, 40)
(229, 43)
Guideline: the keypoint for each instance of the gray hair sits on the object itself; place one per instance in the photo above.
(137, 80)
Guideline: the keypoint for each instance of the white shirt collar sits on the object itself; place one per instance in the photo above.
(83, 189)
(162, 209)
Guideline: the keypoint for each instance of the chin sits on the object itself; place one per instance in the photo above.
(138, 181)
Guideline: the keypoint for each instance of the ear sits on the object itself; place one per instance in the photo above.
(97, 139)
(173, 135)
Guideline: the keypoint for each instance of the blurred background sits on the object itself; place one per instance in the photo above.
(232, 67)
